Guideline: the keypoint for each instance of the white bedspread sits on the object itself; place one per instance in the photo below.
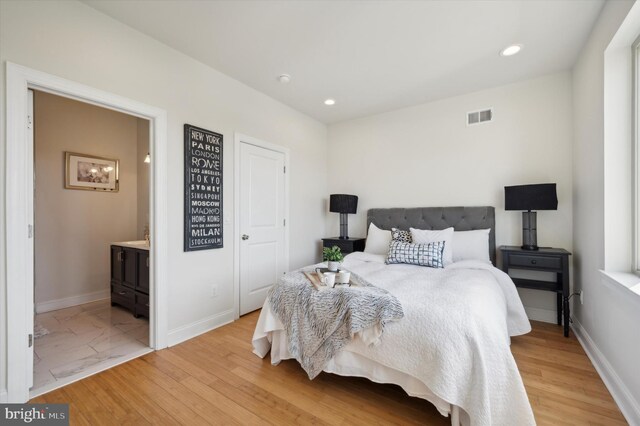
(454, 337)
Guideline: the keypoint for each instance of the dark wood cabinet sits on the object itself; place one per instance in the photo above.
(116, 265)
(123, 296)
(129, 267)
(142, 304)
(546, 259)
(347, 245)
(142, 283)
(130, 279)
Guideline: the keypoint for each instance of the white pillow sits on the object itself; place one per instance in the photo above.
(378, 240)
(426, 236)
(471, 245)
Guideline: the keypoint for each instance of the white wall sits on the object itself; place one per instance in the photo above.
(74, 227)
(427, 156)
(610, 315)
(76, 42)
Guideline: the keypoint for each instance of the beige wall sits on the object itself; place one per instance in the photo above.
(143, 177)
(74, 227)
(427, 156)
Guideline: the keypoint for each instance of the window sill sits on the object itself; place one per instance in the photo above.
(628, 280)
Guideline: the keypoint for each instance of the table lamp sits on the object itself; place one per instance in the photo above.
(528, 198)
(345, 205)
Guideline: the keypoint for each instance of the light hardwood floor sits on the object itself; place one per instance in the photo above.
(216, 379)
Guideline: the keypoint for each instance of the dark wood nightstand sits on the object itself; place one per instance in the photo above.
(546, 259)
(346, 246)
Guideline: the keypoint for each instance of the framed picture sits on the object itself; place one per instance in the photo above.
(202, 189)
(91, 173)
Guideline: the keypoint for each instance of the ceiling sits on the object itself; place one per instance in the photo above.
(370, 56)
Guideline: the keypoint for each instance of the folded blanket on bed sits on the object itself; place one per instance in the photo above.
(320, 323)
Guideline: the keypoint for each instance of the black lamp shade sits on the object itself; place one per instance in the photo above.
(531, 197)
(343, 203)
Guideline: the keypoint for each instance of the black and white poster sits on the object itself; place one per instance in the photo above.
(202, 189)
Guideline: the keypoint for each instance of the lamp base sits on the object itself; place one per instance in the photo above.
(529, 231)
(344, 233)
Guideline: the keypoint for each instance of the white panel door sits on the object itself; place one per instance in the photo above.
(262, 223)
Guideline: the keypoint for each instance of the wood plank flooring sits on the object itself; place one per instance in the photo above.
(216, 379)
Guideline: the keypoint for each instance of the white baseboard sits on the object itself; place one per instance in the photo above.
(67, 302)
(540, 314)
(3, 396)
(197, 328)
(629, 406)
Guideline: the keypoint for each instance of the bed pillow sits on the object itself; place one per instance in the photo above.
(401, 235)
(377, 240)
(471, 245)
(417, 254)
(426, 236)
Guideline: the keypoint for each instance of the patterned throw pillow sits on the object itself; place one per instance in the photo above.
(417, 254)
(401, 235)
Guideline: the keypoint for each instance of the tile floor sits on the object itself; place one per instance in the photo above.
(83, 338)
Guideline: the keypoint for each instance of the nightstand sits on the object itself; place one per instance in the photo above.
(546, 259)
(346, 246)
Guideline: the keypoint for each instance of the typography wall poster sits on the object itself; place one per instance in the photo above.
(202, 189)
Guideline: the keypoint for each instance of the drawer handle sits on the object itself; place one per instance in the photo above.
(533, 262)
(146, 304)
(122, 293)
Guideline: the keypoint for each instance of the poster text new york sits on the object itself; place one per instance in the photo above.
(205, 180)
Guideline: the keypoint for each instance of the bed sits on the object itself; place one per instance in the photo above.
(454, 338)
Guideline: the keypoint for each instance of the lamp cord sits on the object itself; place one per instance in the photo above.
(569, 298)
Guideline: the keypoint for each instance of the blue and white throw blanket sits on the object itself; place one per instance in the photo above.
(320, 323)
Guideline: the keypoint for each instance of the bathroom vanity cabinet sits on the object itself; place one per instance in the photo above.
(130, 277)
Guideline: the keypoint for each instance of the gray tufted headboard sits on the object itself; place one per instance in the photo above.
(461, 218)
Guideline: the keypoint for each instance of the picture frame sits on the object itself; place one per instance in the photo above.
(91, 173)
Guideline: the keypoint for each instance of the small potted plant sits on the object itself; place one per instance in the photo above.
(333, 256)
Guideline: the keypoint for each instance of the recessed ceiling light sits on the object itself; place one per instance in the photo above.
(284, 78)
(511, 50)
(330, 102)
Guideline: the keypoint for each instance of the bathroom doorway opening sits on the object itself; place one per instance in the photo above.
(91, 239)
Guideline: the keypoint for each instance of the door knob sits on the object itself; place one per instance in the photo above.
(245, 237)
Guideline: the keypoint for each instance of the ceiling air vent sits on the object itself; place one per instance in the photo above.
(478, 117)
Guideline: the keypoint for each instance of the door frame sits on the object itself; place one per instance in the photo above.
(19, 211)
(240, 138)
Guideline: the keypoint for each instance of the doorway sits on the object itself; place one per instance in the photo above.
(261, 214)
(91, 208)
(20, 214)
